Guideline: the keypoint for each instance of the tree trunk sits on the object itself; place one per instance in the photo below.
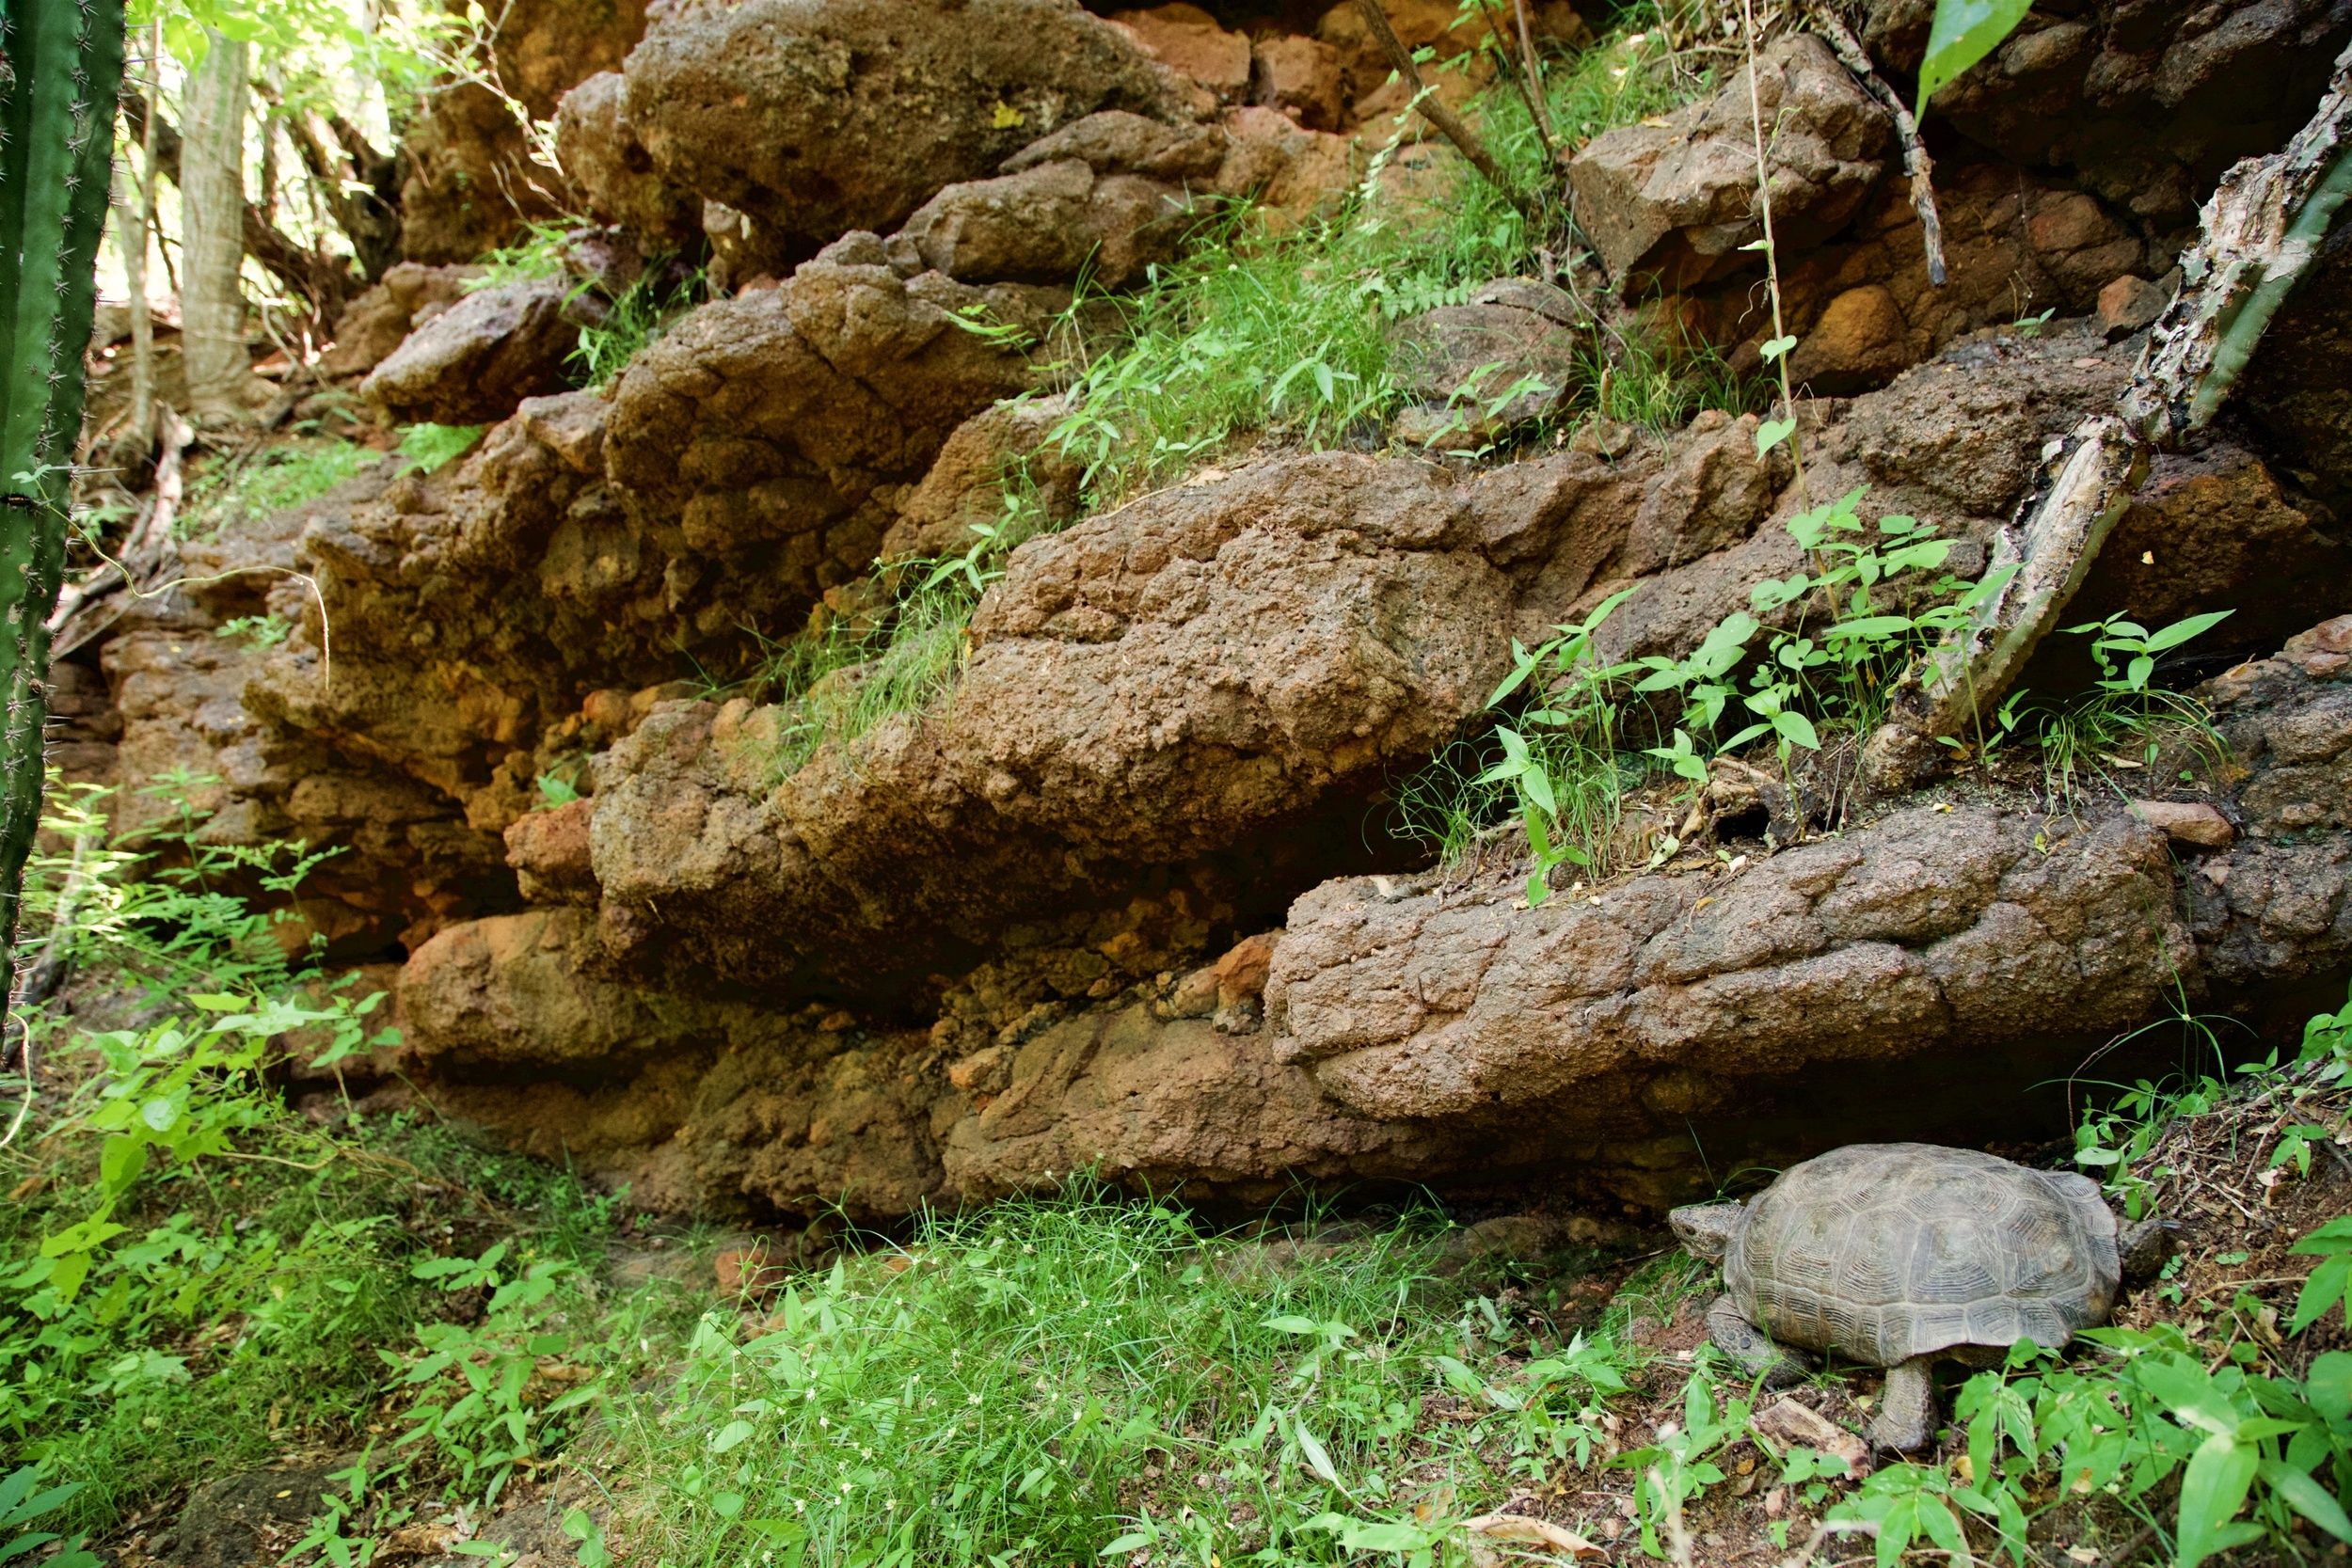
(212, 245)
(133, 192)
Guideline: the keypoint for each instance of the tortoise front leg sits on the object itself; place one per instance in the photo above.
(1753, 1348)
(1906, 1407)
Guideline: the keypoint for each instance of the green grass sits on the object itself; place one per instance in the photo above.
(830, 685)
(426, 447)
(250, 488)
(1076, 1378)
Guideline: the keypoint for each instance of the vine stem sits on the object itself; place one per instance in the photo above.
(1771, 251)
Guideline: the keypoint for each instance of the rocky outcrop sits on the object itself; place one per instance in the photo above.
(814, 119)
(476, 361)
(1159, 684)
(1898, 978)
(1667, 996)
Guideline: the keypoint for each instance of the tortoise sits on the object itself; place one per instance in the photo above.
(1897, 1255)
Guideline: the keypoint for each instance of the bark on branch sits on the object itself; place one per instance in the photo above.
(2260, 232)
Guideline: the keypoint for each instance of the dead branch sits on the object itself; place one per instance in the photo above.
(1433, 109)
(1916, 164)
(2259, 232)
(2258, 235)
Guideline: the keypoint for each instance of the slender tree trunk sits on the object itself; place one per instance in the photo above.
(131, 197)
(212, 246)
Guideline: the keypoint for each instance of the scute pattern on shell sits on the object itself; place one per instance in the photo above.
(1881, 1252)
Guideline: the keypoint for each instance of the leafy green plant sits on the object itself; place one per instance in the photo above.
(476, 1382)
(2330, 1283)
(255, 631)
(2127, 721)
(427, 448)
(634, 320)
(1677, 1468)
(20, 1505)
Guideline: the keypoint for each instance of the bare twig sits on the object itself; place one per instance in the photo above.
(1433, 109)
(1916, 162)
(1536, 81)
(1529, 83)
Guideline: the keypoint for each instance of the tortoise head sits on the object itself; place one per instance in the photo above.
(1707, 1228)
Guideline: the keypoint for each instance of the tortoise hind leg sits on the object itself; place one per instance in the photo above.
(1906, 1407)
(1753, 1348)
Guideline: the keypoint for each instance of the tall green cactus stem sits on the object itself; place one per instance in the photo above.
(60, 69)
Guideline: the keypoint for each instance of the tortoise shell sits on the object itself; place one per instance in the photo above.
(1881, 1252)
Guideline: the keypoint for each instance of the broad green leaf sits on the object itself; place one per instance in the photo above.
(2180, 631)
(1771, 433)
(2212, 1489)
(730, 1435)
(2328, 1285)
(2329, 1385)
(2307, 1497)
(1317, 1459)
(1798, 729)
(1964, 32)
(1774, 347)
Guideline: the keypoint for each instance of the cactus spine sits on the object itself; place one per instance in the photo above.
(60, 69)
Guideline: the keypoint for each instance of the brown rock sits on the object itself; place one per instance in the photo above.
(2187, 822)
(377, 322)
(814, 119)
(2201, 532)
(1615, 1015)
(2129, 303)
(1860, 341)
(549, 850)
(1674, 201)
(1048, 223)
(2146, 107)
(1459, 359)
(1188, 41)
(612, 170)
(1300, 76)
(475, 361)
(767, 426)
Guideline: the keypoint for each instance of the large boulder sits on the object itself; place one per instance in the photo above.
(612, 169)
(380, 319)
(475, 362)
(1180, 677)
(1672, 202)
(1670, 997)
(814, 118)
(773, 429)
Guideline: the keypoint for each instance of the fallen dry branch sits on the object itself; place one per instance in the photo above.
(1433, 109)
(2257, 237)
(2259, 234)
(1916, 164)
